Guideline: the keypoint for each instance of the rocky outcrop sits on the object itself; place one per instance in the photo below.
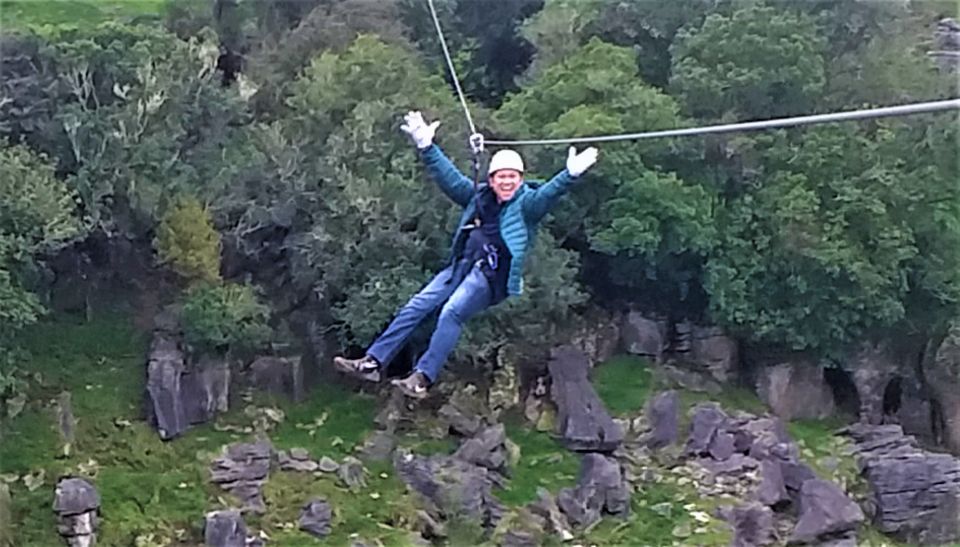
(77, 504)
(712, 351)
(242, 470)
(944, 380)
(180, 394)
(764, 465)
(278, 375)
(582, 419)
(642, 336)
(795, 390)
(451, 487)
(601, 489)
(874, 367)
(916, 493)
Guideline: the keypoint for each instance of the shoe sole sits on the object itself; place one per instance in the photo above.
(352, 372)
(409, 393)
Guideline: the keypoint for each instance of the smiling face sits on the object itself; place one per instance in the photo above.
(505, 183)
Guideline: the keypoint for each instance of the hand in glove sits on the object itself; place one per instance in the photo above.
(421, 133)
(577, 164)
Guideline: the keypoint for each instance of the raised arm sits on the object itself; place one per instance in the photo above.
(454, 184)
(544, 197)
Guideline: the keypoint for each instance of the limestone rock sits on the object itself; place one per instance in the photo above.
(642, 336)
(796, 390)
(224, 529)
(583, 421)
(825, 511)
(242, 470)
(315, 518)
(77, 503)
(664, 415)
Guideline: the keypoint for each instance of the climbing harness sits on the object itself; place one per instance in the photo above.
(477, 141)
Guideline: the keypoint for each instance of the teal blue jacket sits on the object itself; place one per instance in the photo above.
(519, 217)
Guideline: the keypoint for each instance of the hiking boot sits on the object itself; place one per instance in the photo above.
(415, 385)
(365, 368)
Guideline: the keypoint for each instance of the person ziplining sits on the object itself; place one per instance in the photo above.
(499, 220)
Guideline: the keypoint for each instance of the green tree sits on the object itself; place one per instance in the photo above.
(147, 121)
(225, 318)
(630, 208)
(836, 238)
(188, 242)
(758, 62)
(37, 217)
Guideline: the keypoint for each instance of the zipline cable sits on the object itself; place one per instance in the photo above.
(476, 140)
(901, 110)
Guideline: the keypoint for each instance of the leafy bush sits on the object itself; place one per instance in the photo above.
(188, 242)
(228, 317)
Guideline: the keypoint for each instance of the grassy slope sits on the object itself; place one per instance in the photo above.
(157, 491)
(23, 13)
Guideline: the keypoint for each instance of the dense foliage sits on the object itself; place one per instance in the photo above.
(282, 117)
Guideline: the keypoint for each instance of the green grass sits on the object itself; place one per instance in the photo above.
(623, 383)
(543, 463)
(25, 13)
(148, 487)
(160, 490)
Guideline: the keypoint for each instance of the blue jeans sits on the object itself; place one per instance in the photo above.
(463, 291)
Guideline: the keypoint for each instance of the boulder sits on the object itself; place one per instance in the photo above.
(707, 420)
(352, 473)
(278, 375)
(795, 390)
(178, 394)
(315, 518)
(451, 486)
(916, 492)
(601, 488)
(378, 447)
(77, 503)
(224, 529)
(487, 449)
(714, 352)
(582, 420)
(772, 490)
(664, 416)
(165, 368)
(642, 336)
(825, 511)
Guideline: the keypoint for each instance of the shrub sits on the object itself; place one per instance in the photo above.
(222, 318)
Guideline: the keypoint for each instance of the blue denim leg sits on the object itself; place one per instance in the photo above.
(471, 297)
(386, 346)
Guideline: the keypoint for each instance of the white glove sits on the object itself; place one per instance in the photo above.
(421, 133)
(577, 164)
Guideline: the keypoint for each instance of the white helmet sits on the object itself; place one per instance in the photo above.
(505, 159)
